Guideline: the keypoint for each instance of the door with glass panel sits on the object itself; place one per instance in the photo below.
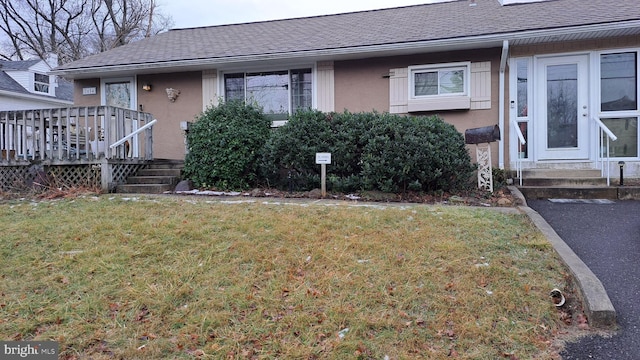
(562, 111)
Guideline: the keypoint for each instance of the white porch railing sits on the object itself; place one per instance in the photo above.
(74, 134)
(521, 142)
(603, 151)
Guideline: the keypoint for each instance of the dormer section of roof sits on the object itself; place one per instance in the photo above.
(33, 76)
(512, 2)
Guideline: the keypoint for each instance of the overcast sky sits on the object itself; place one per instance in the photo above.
(195, 13)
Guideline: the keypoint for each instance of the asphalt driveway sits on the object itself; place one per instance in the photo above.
(606, 236)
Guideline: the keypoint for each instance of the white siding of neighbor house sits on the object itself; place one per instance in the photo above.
(8, 103)
(209, 88)
(24, 78)
(325, 86)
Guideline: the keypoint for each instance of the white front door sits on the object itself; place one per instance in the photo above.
(562, 116)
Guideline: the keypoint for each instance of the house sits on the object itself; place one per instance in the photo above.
(559, 77)
(28, 85)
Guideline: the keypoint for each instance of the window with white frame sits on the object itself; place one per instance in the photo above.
(41, 83)
(279, 93)
(119, 92)
(439, 87)
(619, 109)
(439, 80)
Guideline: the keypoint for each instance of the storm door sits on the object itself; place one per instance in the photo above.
(562, 115)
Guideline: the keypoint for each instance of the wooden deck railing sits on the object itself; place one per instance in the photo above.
(74, 135)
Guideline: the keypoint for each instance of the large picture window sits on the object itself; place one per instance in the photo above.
(279, 93)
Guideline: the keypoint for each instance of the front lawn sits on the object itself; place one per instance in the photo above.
(159, 277)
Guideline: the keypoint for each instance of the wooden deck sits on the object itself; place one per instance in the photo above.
(103, 144)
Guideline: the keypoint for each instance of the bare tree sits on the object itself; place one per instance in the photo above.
(73, 29)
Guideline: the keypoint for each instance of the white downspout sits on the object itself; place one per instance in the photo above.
(501, 101)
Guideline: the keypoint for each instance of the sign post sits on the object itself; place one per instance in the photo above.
(323, 159)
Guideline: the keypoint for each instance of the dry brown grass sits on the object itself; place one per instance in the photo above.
(111, 277)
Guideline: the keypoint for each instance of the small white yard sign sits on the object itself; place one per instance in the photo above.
(323, 158)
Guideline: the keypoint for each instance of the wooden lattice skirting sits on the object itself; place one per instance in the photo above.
(105, 175)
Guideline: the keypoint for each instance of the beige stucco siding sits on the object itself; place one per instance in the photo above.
(168, 138)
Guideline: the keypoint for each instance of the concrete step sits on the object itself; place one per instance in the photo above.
(160, 176)
(159, 172)
(564, 182)
(172, 180)
(569, 192)
(143, 188)
(560, 173)
(167, 164)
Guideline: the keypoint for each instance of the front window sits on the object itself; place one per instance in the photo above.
(279, 93)
(619, 81)
(441, 80)
(619, 101)
(41, 83)
(626, 129)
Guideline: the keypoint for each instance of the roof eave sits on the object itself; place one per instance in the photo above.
(449, 44)
(29, 96)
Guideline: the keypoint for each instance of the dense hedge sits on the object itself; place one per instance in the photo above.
(370, 151)
(224, 146)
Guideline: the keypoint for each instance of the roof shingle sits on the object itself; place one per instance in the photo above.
(419, 23)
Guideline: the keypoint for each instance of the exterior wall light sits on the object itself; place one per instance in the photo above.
(146, 87)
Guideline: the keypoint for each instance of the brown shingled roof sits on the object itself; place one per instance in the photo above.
(403, 25)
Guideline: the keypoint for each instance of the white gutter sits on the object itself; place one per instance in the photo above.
(469, 42)
(42, 98)
(501, 101)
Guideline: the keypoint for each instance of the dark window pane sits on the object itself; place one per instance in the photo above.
(619, 82)
(523, 73)
(301, 90)
(562, 100)
(426, 83)
(234, 87)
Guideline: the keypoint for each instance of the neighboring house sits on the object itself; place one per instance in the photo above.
(555, 69)
(28, 85)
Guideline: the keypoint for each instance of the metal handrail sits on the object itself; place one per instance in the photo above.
(134, 133)
(514, 124)
(601, 156)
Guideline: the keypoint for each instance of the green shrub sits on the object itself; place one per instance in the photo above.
(370, 151)
(224, 146)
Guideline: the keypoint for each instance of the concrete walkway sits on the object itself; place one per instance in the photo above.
(605, 235)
